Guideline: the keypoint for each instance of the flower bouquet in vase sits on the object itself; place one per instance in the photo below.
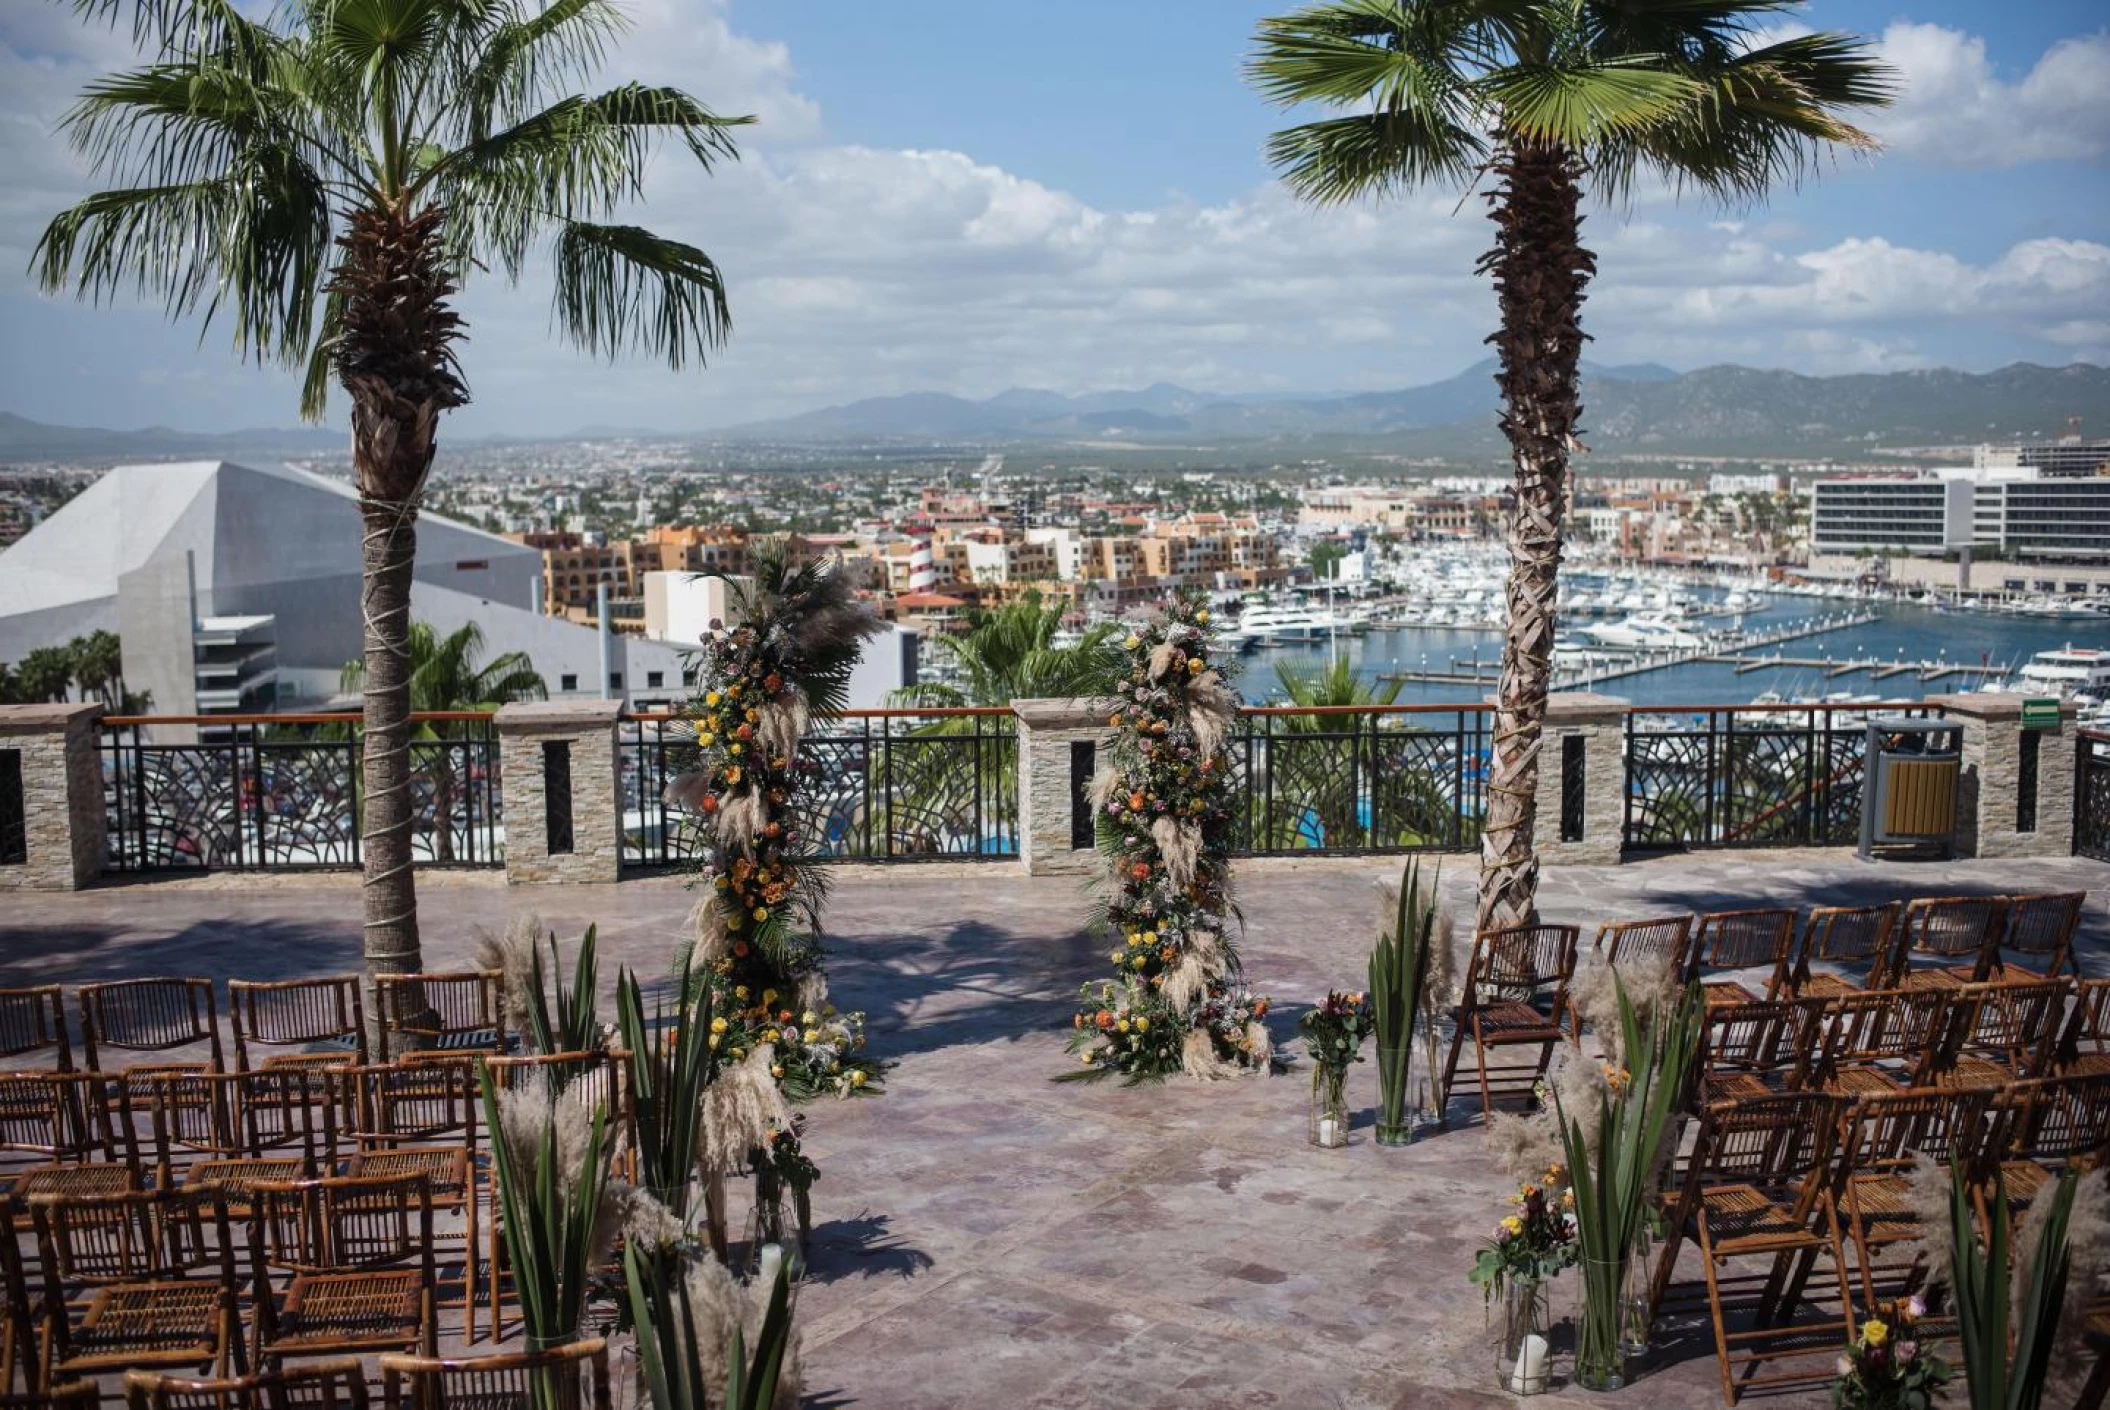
(1615, 1176)
(1886, 1367)
(1532, 1244)
(1334, 1031)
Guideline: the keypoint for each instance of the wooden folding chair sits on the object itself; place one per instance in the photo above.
(359, 1254)
(74, 1141)
(1515, 995)
(136, 1280)
(423, 1118)
(228, 1130)
(573, 1377)
(74, 1395)
(1759, 1186)
(1884, 1136)
(1843, 935)
(2084, 1039)
(1759, 1049)
(32, 1022)
(1885, 1040)
(325, 1013)
(1738, 940)
(2005, 1032)
(335, 1384)
(1958, 934)
(2036, 937)
(2059, 1122)
(151, 1016)
(1661, 938)
(458, 1012)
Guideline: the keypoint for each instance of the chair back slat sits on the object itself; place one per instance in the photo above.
(571, 1377)
(2014, 1023)
(459, 1010)
(1890, 1131)
(33, 1020)
(1908, 1030)
(1530, 964)
(1783, 1146)
(138, 1236)
(1775, 1039)
(2066, 1118)
(57, 1115)
(1848, 935)
(1949, 930)
(341, 1224)
(286, 1013)
(148, 1015)
(1660, 938)
(2039, 931)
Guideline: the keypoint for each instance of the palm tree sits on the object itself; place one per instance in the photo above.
(98, 667)
(323, 181)
(1544, 96)
(1010, 654)
(45, 674)
(447, 674)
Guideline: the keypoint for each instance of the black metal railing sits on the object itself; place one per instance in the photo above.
(1359, 778)
(282, 792)
(2091, 797)
(888, 785)
(1748, 775)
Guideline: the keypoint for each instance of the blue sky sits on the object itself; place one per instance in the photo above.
(951, 196)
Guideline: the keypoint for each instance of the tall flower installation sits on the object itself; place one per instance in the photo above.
(785, 665)
(1163, 802)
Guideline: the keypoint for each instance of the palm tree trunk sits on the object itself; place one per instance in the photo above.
(1540, 271)
(389, 891)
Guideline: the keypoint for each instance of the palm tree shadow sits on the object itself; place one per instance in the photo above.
(863, 1248)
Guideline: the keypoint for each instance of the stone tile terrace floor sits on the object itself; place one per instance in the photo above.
(990, 1239)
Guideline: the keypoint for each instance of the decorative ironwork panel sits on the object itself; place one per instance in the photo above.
(1358, 781)
(1668, 777)
(306, 805)
(2091, 824)
(186, 809)
(457, 808)
(835, 808)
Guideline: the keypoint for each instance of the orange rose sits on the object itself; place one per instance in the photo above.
(1140, 871)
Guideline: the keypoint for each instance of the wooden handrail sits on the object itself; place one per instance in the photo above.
(334, 717)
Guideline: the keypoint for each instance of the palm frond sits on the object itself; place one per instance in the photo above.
(621, 288)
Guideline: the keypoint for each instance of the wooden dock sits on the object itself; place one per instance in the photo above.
(1733, 648)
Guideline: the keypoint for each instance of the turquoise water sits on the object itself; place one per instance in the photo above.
(1914, 633)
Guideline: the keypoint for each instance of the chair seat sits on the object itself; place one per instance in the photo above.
(1741, 1218)
(1972, 1074)
(2023, 1179)
(445, 1168)
(149, 1324)
(1727, 993)
(1825, 986)
(1931, 979)
(235, 1177)
(1884, 1201)
(378, 1308)
(1509, 1021)
(102, 1178)
(2086, 1063)
(308, 1062)
(1739, 1086)
(1863, 1082)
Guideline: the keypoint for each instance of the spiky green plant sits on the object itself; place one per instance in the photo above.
(1612, 1188)
(547, 1213)
(671, 1061)
(575, 1025)
(670, 1354)
(1983, 1311)
(1399, 969)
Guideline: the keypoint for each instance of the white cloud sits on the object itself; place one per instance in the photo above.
(1955, 110)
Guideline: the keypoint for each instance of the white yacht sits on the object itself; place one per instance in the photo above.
(1262, 625)
(1645, 631)
(2070, 670)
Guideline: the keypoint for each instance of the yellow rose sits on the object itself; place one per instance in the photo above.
(1088, 1058)
(809, 1018)
(705, 738)
(1142, 1025)
(718, 1025)
(1134, 939)
(770, 1035)
(769, 996)
(1875, 1332)
(1133, 641)
(711, 699)
(761, 913)
(1120, 1025)
(1150, 937)
(739, 991)
(857, 1079)
(1194, 665)
(1513, 1224)
(1202, 616)
(776, 1069)
(714, 1040)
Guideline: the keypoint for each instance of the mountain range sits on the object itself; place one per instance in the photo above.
(1641, 408)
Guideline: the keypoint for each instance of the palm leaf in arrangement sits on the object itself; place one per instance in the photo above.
(2007, 1348)
(575, 1026)
(1399, 969)
(670, 1062)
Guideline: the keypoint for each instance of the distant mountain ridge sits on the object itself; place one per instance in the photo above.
(1637, 407)
(24, 439)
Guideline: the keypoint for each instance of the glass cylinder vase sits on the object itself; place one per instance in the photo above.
(1329, 1106)
(1523, 1350)
(1396, 1108)
(1636, 1316)
(1600, 1324)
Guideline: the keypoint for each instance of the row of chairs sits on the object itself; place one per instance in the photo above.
(1516, 992)
(1789, 1179)
(274, 1023)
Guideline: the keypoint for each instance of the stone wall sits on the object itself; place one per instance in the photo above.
(589, 727)
(1600, 722)
(1046, 796)
(1988, 792)
(62, 795)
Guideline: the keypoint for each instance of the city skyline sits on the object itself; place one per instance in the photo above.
(910, 217)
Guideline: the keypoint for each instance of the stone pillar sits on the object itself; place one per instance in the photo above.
(52, 750)
(1061, 744)
(1992, 790)
(542, 743)
(1599, 723)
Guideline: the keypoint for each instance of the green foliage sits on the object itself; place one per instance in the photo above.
(671, 1060)
(449, 673)
(672, 1360)
(1983, 1313)
(548, 1214)
(1010, 654)
(1335, 683)
(1399, 968)
(575, 1027)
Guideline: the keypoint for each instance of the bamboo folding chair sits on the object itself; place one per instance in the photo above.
(1959, 934)
(591, 1079)
(1515, 995)
(150, 1274)
(74, 1142)
(2084, 1040)
(326, 1013)
(457, 1012)
(358, 1252)
(335, 1384)
(228, 1130)
(1663, 938)
(1844, 935)
(32, 1022)
(1885, 1134)
(1738, 940)
(2005, 1032)
(1759, 1186)
(423, 1118)
(2036, 938)
(74, 1395)
(1759, 1049)
(151, 1016)
(573, 1377)
(2059, 1123)
(1886, 1040)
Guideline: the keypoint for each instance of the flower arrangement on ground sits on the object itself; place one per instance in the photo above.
(1163, 801)
(1334, 1030)
(1886, 1367)
(1534, 1241)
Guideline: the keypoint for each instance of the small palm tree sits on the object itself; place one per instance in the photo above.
(1010, 654)
(98, 667)
(1546, 97)
(323, 181)
(1333, 684)
(446, 675)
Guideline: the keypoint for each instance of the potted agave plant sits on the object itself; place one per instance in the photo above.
(1399, 970)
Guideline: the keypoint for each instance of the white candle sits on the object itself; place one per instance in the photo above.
(772, 1261)
(1530, 1375)
(1329, 1131)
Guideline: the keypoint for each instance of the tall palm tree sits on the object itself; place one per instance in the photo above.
(323, 181)
(98, 667)
(1010, 654)
(447, 673)
(45, 674)
(1545, 97)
